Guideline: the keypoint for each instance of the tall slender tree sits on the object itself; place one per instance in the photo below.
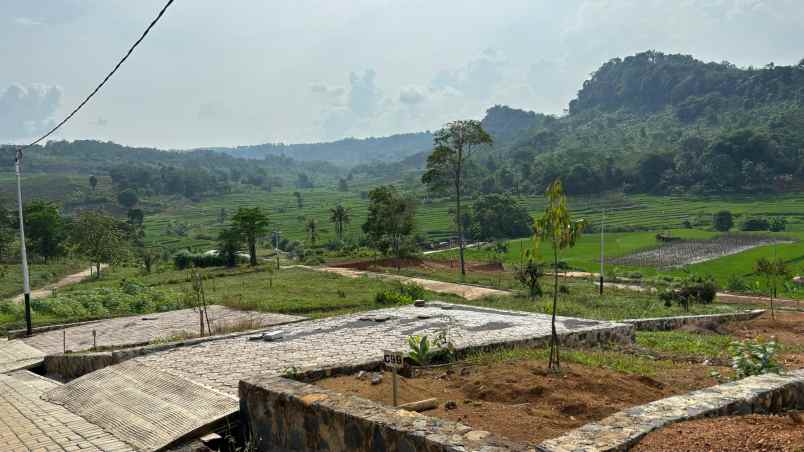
(252, 223)
(340, 217)
(561, 231)
(453, 145)
(312, 230)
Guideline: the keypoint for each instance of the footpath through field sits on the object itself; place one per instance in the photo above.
(466, 291)
(46, 291)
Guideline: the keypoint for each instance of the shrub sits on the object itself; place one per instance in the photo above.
(693, 289)
(737, 284)
(14, 310)
(423, 352)
(412, 290)
(755, 224)
(723, 221)
(529, 276)
(131, 297)
(751, 357)
(392, 298)
(778, 224)
(184, 259)
(635, 275)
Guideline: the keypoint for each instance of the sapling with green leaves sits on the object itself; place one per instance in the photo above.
(774, 272)
(561, 231)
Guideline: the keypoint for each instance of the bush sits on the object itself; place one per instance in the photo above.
(130, 298)
(412, 290)
(755, 224)
(723, 221)
(693, 289)
(392, 298)
(737, 284)
(185, 259)
(754, 358)
(778, 224)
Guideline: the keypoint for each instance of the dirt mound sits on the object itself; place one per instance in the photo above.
(389, 263)
(744, 433)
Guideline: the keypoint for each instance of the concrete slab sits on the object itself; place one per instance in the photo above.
(139, 392)
(15, 355)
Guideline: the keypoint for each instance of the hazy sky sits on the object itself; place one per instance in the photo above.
(248, 71)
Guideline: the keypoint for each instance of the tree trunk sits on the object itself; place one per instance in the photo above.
(97, 273)
(252, 253)
(554, 362)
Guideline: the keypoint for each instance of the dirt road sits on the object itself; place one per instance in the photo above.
(463, 290)
(46, 291)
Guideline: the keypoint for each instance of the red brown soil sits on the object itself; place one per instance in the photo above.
(726, 434)
(379, 264)
(521, 400)
(787, 328)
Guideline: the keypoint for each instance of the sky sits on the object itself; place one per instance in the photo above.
(216, 73)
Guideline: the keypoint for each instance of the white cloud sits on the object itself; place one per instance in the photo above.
(27, 110)
(411, 95)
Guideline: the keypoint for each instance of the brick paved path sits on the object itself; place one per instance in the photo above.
(338, 341)
(132, 330)
(145, 328)
(27, 423)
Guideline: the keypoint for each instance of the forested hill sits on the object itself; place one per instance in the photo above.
(655, 123)
(346, 152)
(651, 81)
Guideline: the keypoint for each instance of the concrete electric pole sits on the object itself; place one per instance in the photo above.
(26, 282)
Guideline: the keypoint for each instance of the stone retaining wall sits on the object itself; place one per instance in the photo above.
(767, 393)
(285, 415)
(672, 323)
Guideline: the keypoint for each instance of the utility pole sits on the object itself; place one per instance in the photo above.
(602, 248)
(26, 282)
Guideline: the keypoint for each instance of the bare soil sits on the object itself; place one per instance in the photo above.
(726, 434)
(424, 264)
(522, 400)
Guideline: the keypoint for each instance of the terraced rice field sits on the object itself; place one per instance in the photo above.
(623, 213)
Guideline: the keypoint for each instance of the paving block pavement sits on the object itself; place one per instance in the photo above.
(28, 423)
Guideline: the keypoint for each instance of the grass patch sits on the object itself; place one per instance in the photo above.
(683, 343)
(288, 291)
(41, 275)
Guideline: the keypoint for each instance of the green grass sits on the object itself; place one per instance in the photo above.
(289, 291)
(41, 275)
(644, 213)
(685, 343)
(583, 301)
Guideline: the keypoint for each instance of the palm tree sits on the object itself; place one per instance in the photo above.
(340, 216)
(312, 230)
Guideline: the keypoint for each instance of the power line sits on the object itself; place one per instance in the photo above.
(100, 85)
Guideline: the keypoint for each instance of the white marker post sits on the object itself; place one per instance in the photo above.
(394, 360)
